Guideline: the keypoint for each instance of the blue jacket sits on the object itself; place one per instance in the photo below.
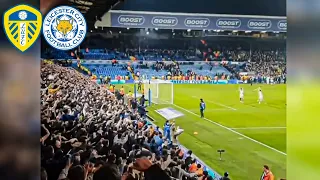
(202, 106)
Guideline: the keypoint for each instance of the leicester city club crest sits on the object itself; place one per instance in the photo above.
(22, 25)
(64, 28)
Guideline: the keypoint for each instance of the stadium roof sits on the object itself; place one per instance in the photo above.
(93, 9)
(192, 21)
(240, 7)
(198, 14)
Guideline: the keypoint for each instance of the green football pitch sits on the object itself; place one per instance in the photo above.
(251, 134)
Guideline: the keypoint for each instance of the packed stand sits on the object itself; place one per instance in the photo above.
(267, 65)
(160, 54)
(267, 56)
(89, 133)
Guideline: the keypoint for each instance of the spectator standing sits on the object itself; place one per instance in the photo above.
(88, 134)
(225, 176)
(267, 174)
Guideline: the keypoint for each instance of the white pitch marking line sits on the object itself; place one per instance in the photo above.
(258, 142)
(222, 105)
(260, 128)
(212, 110)
(218, 104)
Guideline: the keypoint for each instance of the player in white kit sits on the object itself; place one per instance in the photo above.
(260, 95)
(241, 91)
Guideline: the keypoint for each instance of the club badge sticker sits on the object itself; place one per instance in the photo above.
(64, 28)
(22, 25)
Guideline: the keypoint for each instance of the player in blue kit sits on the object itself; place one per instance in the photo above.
(167, 130)
(202, 108)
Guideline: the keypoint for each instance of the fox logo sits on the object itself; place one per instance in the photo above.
(64, 26)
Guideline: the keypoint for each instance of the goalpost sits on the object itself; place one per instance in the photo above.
(157, 91)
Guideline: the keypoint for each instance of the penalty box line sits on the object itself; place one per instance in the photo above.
(219, 104)
(212, 109)
(230, 129)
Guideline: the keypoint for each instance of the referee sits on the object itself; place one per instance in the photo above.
(202, 107)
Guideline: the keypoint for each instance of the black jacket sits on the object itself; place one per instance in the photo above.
(224, 178)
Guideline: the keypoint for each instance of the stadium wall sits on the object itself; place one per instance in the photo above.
(232, 81)
(220, 81)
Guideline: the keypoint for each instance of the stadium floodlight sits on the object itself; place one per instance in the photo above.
(158, 91)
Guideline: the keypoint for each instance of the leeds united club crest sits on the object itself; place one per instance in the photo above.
(22, 25)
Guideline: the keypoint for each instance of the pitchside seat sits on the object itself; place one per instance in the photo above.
(205, 69)
(106, 70)
(150, 72)
(100, 54)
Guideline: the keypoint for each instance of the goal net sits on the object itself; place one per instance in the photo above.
(158, 91)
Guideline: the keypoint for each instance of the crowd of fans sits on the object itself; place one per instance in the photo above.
(196, 54)
(266, 68)
(173, 68)
(90, 133)
(267, 63)
(165, 54)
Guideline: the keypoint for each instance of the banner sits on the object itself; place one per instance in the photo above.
(222, 82)
(169, 113)
(233, 81)
(113, 81)
(118, 81)
(140, 19)
(199, 81)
